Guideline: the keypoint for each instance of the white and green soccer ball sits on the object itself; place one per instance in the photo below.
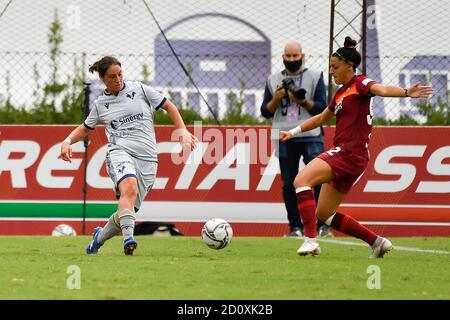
(63, 230)
(217, 233)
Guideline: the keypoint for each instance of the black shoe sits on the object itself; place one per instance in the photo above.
(325, 232)
(295, 233)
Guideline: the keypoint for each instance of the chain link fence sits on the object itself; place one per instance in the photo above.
(228, 48)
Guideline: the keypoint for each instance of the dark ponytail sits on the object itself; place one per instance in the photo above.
(102, 65)
(348, 53)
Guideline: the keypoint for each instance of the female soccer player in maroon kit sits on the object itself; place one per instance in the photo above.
(338, 168)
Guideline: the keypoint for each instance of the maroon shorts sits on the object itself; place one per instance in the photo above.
(346, 168)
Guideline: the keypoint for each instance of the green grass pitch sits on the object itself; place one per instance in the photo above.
(249, 268)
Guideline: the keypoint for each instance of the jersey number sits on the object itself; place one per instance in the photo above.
(334, 150)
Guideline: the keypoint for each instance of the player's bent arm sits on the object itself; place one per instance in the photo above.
(316, 121)
(174, 115)
(78, 134)
(184, 136)
(309, 124)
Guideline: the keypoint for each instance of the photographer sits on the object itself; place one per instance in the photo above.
(291, 97)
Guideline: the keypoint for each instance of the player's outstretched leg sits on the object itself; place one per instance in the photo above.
(350, 226)
(93, 247)
(110, 229)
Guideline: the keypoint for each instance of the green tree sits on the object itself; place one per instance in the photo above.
(436, 114)
(145, 73)
(46, 111)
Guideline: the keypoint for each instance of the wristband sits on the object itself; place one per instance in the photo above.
(68, 141)
(406, 92)
(295, 131)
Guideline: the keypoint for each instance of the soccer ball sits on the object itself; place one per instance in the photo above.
(217, 233)
(63, 230)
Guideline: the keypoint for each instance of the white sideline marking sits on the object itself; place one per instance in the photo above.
(406, 223)
(399, 248)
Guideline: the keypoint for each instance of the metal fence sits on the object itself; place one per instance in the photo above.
(228, 48)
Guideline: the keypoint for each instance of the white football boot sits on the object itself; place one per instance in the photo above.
(310, 246)
(380, 247)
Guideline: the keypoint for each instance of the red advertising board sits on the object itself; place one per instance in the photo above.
(233, 173)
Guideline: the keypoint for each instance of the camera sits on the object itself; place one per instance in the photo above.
(289, 85)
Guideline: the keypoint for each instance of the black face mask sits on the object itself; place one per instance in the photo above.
(292, 66)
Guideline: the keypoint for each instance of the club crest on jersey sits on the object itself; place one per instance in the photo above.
(107, 106)
(131, 95)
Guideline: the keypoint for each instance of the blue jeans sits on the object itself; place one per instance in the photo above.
(289, 158)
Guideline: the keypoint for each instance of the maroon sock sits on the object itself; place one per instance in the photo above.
(350, 226)
(306, 204)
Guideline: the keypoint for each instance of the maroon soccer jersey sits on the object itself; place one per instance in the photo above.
(352, 105)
